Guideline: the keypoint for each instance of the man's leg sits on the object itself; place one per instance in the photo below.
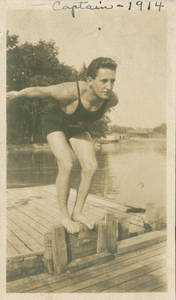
(65, 158)
(85, 152)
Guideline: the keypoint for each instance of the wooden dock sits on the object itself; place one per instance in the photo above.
(142, 270)
(32, 212)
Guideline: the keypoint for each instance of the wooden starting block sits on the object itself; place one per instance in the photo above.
(64, 251)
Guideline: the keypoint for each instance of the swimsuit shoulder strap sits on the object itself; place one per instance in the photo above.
(78, 89)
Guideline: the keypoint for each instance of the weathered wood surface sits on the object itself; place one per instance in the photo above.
(37, 281)
(88, 261)
(82, 244)
(140, 270)
(31, 212)
(17, 267)
(62, 248)
(107, 234)
(59, 249)
(48, 254)
(25, 265)
(147, 239)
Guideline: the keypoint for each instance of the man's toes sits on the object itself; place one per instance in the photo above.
(74, 228)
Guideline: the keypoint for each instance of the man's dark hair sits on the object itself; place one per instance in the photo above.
(99, 63)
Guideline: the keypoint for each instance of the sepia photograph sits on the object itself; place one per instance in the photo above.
(86, 148)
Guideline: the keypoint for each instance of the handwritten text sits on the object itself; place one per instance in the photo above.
(59, 5)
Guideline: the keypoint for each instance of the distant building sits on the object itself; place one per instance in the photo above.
(145, 133)
(110, 138)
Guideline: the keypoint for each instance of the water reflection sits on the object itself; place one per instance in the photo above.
(131, 172)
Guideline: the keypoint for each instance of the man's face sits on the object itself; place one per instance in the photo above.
(103, 83)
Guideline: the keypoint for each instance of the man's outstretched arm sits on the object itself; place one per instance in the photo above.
(64, 92)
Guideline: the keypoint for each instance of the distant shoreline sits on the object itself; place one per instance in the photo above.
(45, 147)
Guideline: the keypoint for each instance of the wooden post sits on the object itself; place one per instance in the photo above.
(101, 241)
(123, 228)
(107, 234)
(59, 249)
(48, 255)
(111, 225)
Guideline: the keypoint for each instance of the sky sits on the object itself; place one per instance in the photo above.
(137, 41)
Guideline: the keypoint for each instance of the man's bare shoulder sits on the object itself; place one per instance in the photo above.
(83, 86)
(67, 90)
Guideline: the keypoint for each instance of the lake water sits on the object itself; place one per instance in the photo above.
(132, 172)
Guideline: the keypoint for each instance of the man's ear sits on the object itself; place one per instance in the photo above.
(89, 81)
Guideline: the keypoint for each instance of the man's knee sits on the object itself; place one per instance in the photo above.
(65, 165)
(89, 168)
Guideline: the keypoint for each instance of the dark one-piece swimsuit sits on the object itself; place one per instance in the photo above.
(55, 119)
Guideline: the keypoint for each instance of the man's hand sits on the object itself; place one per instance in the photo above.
(12, 95)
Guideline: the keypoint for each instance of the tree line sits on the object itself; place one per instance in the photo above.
(161, 129)
(37, 64)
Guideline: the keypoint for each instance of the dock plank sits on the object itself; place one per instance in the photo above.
(49, 192)
(52, 209)
(24, 224)
(41, 281)
(138, 283)
(48, 212)
(32, 211)
(11, 251)
(100, 281)
(146, 239)
(95, 206)
(149, 284)
(37, 211)
(17, 243)
(31, 215)
(116, 278)
(25, 237)
(161, 288)
(37, 281)
(36, 216)
(38, 206)
(87, 278)
(46, 208)
(27, 223)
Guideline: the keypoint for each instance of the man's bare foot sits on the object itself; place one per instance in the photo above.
(70, 226)
(84, 220)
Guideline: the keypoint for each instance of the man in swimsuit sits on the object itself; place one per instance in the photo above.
(66, 130)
